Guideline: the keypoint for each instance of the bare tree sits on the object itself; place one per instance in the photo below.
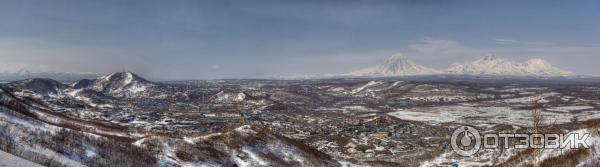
(537, 124)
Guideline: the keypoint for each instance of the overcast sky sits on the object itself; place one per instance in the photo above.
(246, 38)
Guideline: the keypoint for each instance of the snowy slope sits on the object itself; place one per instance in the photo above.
(7, 159)
(30, 131)
(396, 65)
(42, 86)
(228, 97)
(119, 84)
(491, 65)
(96, 143)
(542, 67)
(244, 146)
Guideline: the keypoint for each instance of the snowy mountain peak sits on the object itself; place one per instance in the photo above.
(398, 56)
(124, 77)
(121, 82)
(397, 61)
(396, 65)
(537, 62)
(489, 57)
(544, 68)
(491, 65)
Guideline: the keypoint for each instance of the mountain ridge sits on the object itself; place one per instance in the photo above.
(120, 84)
(59, 76)
(398, 65)
(492, 65)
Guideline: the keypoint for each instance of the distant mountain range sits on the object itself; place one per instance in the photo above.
(121, 84)
(398, 65)
(395, 65)
(491, 65)
(61, 76)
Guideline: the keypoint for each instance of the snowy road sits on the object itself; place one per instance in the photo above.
(9, 160)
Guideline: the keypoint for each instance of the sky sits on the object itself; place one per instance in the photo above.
(196, 39)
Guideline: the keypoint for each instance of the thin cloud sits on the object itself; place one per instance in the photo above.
(505, 41)
(517, 42)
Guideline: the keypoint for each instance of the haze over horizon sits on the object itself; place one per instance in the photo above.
(254, 39)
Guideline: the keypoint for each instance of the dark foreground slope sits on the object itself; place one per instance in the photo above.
(32, 131)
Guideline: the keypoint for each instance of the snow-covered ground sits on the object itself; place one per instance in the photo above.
(372, 83)
(570, 108)
(9, 160)
(487, 157)
(475, 115)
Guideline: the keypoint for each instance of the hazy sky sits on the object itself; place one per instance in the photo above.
(246, 38)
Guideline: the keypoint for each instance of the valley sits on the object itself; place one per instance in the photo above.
(332, 122)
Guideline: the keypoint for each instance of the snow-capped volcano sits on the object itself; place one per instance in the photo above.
(396, 65)
(491, 65)
(542, 67)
